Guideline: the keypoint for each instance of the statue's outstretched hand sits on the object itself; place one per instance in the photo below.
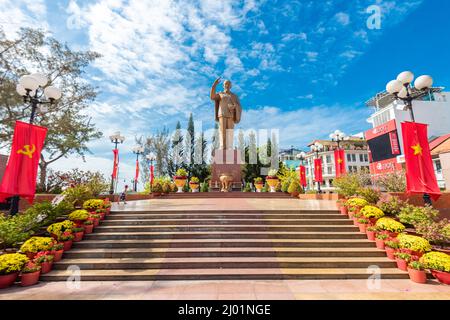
(216, 82)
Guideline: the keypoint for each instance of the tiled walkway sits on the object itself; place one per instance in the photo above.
(231, 290)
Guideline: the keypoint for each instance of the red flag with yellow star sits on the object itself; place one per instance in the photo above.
(21, 171)
(318, 170)
(339, 162)
(302, 171)
(420, 175)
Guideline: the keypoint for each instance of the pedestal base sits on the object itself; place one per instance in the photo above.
(226, 162)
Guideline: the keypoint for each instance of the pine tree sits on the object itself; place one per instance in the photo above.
(177, 151)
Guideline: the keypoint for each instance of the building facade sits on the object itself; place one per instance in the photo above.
(356, 160)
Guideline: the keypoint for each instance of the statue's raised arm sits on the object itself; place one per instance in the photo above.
(213, 95)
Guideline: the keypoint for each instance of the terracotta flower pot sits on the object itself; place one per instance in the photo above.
(402, 264)
(344, 210)
(46, 267)
(57, 255)
(78, 236)
(102, 215)
(362, 227)
(372, 221)
(380, 244)
(418, 276)
(88, 228)
(339, 204)
(8, 280)
(370, 235)
(355, 221)
(350, 214)
(29, 279)
(441, 276)
(68, 245)
(390, 252)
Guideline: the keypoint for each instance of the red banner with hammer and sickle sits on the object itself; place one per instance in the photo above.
(21, 171)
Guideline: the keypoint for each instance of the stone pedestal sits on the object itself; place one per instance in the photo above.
(226, 162)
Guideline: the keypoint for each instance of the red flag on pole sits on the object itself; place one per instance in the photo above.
(318, 170)
(339, 162)
(302, 172)
(136, 176)
(21, 171)
(116, 163)
(152, 175)
(420, 176)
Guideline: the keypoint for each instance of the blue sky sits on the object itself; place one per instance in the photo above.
(303, 67)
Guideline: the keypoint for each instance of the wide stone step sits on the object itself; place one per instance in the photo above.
(226, 262)
(178, 211)
(226, 228)
(224, 274)
(227, 216)
(224, 235)
(226, 243)
(221, 252)
(142, 222)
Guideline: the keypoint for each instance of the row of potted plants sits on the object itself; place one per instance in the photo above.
(412, 253)
(38, 253)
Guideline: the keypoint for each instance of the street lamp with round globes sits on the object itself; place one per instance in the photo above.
(32, 88)
(402, 90)
(137, 150)
(301, 156)
(316, 148)
(150, 158)
(115, 138)
(337, 136)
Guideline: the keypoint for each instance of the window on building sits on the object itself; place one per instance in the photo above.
(366, 157)
(361, 157)
(331, 182)
(328, 159)
(438, 166)
(330, 170)
(349, 158)
(354, 157)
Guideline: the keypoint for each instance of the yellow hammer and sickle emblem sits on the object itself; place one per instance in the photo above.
(27, 150)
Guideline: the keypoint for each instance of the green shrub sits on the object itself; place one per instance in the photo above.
(391, 206)
(14, 230)
(294, 187)
(11, 263)
(181, 173)
(370, 195)
(416, 215)
(248, 187)
(78, 195)
(204, 187)
(435, 232)
(347, 185)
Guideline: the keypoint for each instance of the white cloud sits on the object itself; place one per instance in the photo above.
(342, 18)
(15, 14)
(293, 36)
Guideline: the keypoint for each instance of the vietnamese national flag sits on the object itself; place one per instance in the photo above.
(21, 171)
(339, 162)
(116, 163)
(302, 171)
(420, 176)
(136, 176)
(318, 170)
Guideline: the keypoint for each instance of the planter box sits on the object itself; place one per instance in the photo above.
(321, 196)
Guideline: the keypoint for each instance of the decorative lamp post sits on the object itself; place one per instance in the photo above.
(151, 158)
(115, 138)
(301, 156)
(337, 137)
(316, 148)
(403, 90)
(137, 150)
(35, 92)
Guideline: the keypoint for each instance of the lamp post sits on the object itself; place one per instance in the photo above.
(301, 156)
(115, 138)
(137, 150)
(337, 137)
(150, 158)
(316, 148)
(35, 92)
(403, 90)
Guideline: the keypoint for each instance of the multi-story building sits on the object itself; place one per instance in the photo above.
(289, 157)
(385, 138)
(356, 159)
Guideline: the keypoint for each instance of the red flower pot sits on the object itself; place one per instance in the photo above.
(68, 245)
(355, 221)
(78, 236)
(57, 255)
(418, 276)
(351, 214)
(31, 255)
(344, 210)
(362, 227)
(96, 222)
(78, 223)
(46, 267)
(8, 280)
(380, 244)
(441, 276)
(390, 252)
(102, 215)
(402, 264)
(29, 279)
(88, 228)
(370, 235)
(372, 221)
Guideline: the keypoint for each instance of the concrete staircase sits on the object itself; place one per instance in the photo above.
(225, 244)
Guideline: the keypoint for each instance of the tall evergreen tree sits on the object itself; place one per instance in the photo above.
(176, 154)
(190, 141)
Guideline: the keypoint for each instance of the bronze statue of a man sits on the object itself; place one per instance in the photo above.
(228, 112)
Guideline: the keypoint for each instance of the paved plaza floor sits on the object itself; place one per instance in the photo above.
(232, 290)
